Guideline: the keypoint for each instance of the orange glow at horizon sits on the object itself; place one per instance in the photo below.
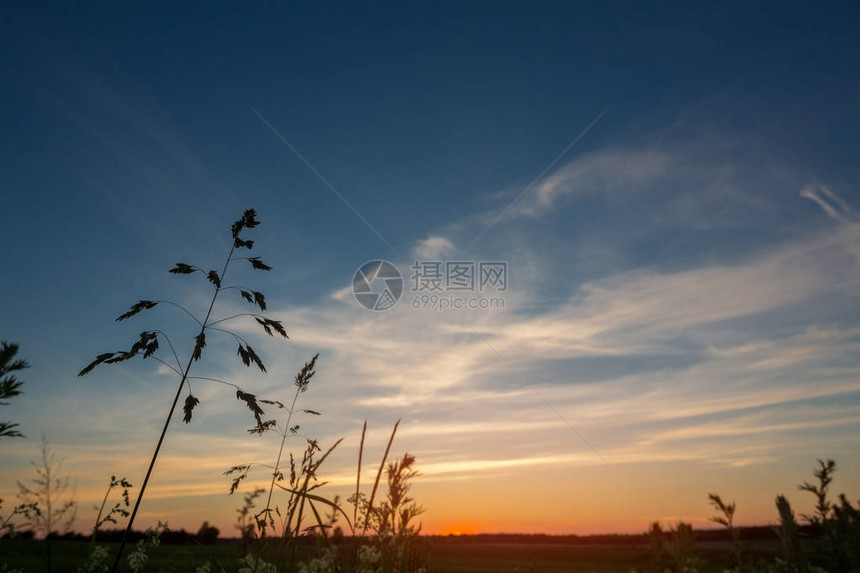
(456, 529)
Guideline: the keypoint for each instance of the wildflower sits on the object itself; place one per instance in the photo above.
(137, 559)
(325, 563)
(368, 558)
(254, 564)
(97, 561)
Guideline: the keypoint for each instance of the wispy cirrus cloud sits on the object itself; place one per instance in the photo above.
(432, 365)
(835, 207)
(609, 171)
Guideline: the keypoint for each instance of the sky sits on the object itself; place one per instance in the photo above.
(671, 190)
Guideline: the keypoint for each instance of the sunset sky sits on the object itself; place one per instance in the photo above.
(674, 192)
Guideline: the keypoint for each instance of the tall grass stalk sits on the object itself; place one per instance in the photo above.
(726, 518)
(300, 496)
(388, 540)
(301, 482)
(370, 507)
(147, 345)
(824, 508)
(789, 536)
(303, 379)
(358, 475)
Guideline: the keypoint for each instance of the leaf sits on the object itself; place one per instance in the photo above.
(9, 386)
(239, 478)
(267, 519)
(144, 340)
(182, 269)
(239, 243)
(269, 325)
(274, 403)
(258, 264)
(314, 412)
(260, 300)
(119, 357)
(251, 401)
(136, 308)
(235, 469)
(319, 499)
(246, 359)
(322, 527)
(147, 342)
(99, 360)
(260, 428)
(236, 229)
(247, 296)
(214, 279)
(190, 402)
(249, 218)
(279, 328)
(303, 378)
(265, 323)
(7, 430)
(199, 346)
(151, 348)
(7, 353)
(253, 356)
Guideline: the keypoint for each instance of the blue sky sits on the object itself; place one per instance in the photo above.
(682, 279)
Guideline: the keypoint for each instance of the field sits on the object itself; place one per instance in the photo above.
(472, 557)
(446, 555)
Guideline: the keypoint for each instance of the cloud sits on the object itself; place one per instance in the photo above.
(165, 370)
(752, 334)
(433, 247)
(831, 204)
(839, 210)
(342, 294)
(605, 171)
(640, 312)
(836, 199)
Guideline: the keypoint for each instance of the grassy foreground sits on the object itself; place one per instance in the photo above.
(461, 556)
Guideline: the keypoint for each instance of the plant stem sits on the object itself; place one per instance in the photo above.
(267, 511)
(99, 516)
(280, 454)
(167, 423)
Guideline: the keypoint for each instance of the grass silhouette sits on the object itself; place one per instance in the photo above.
(148, 343)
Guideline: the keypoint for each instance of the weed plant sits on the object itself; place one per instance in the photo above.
(726, 516)
(9, 384)
(52, 498)
(384, 537)
(147, 344)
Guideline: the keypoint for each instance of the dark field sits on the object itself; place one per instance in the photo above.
(455, 556)
(474, 557)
